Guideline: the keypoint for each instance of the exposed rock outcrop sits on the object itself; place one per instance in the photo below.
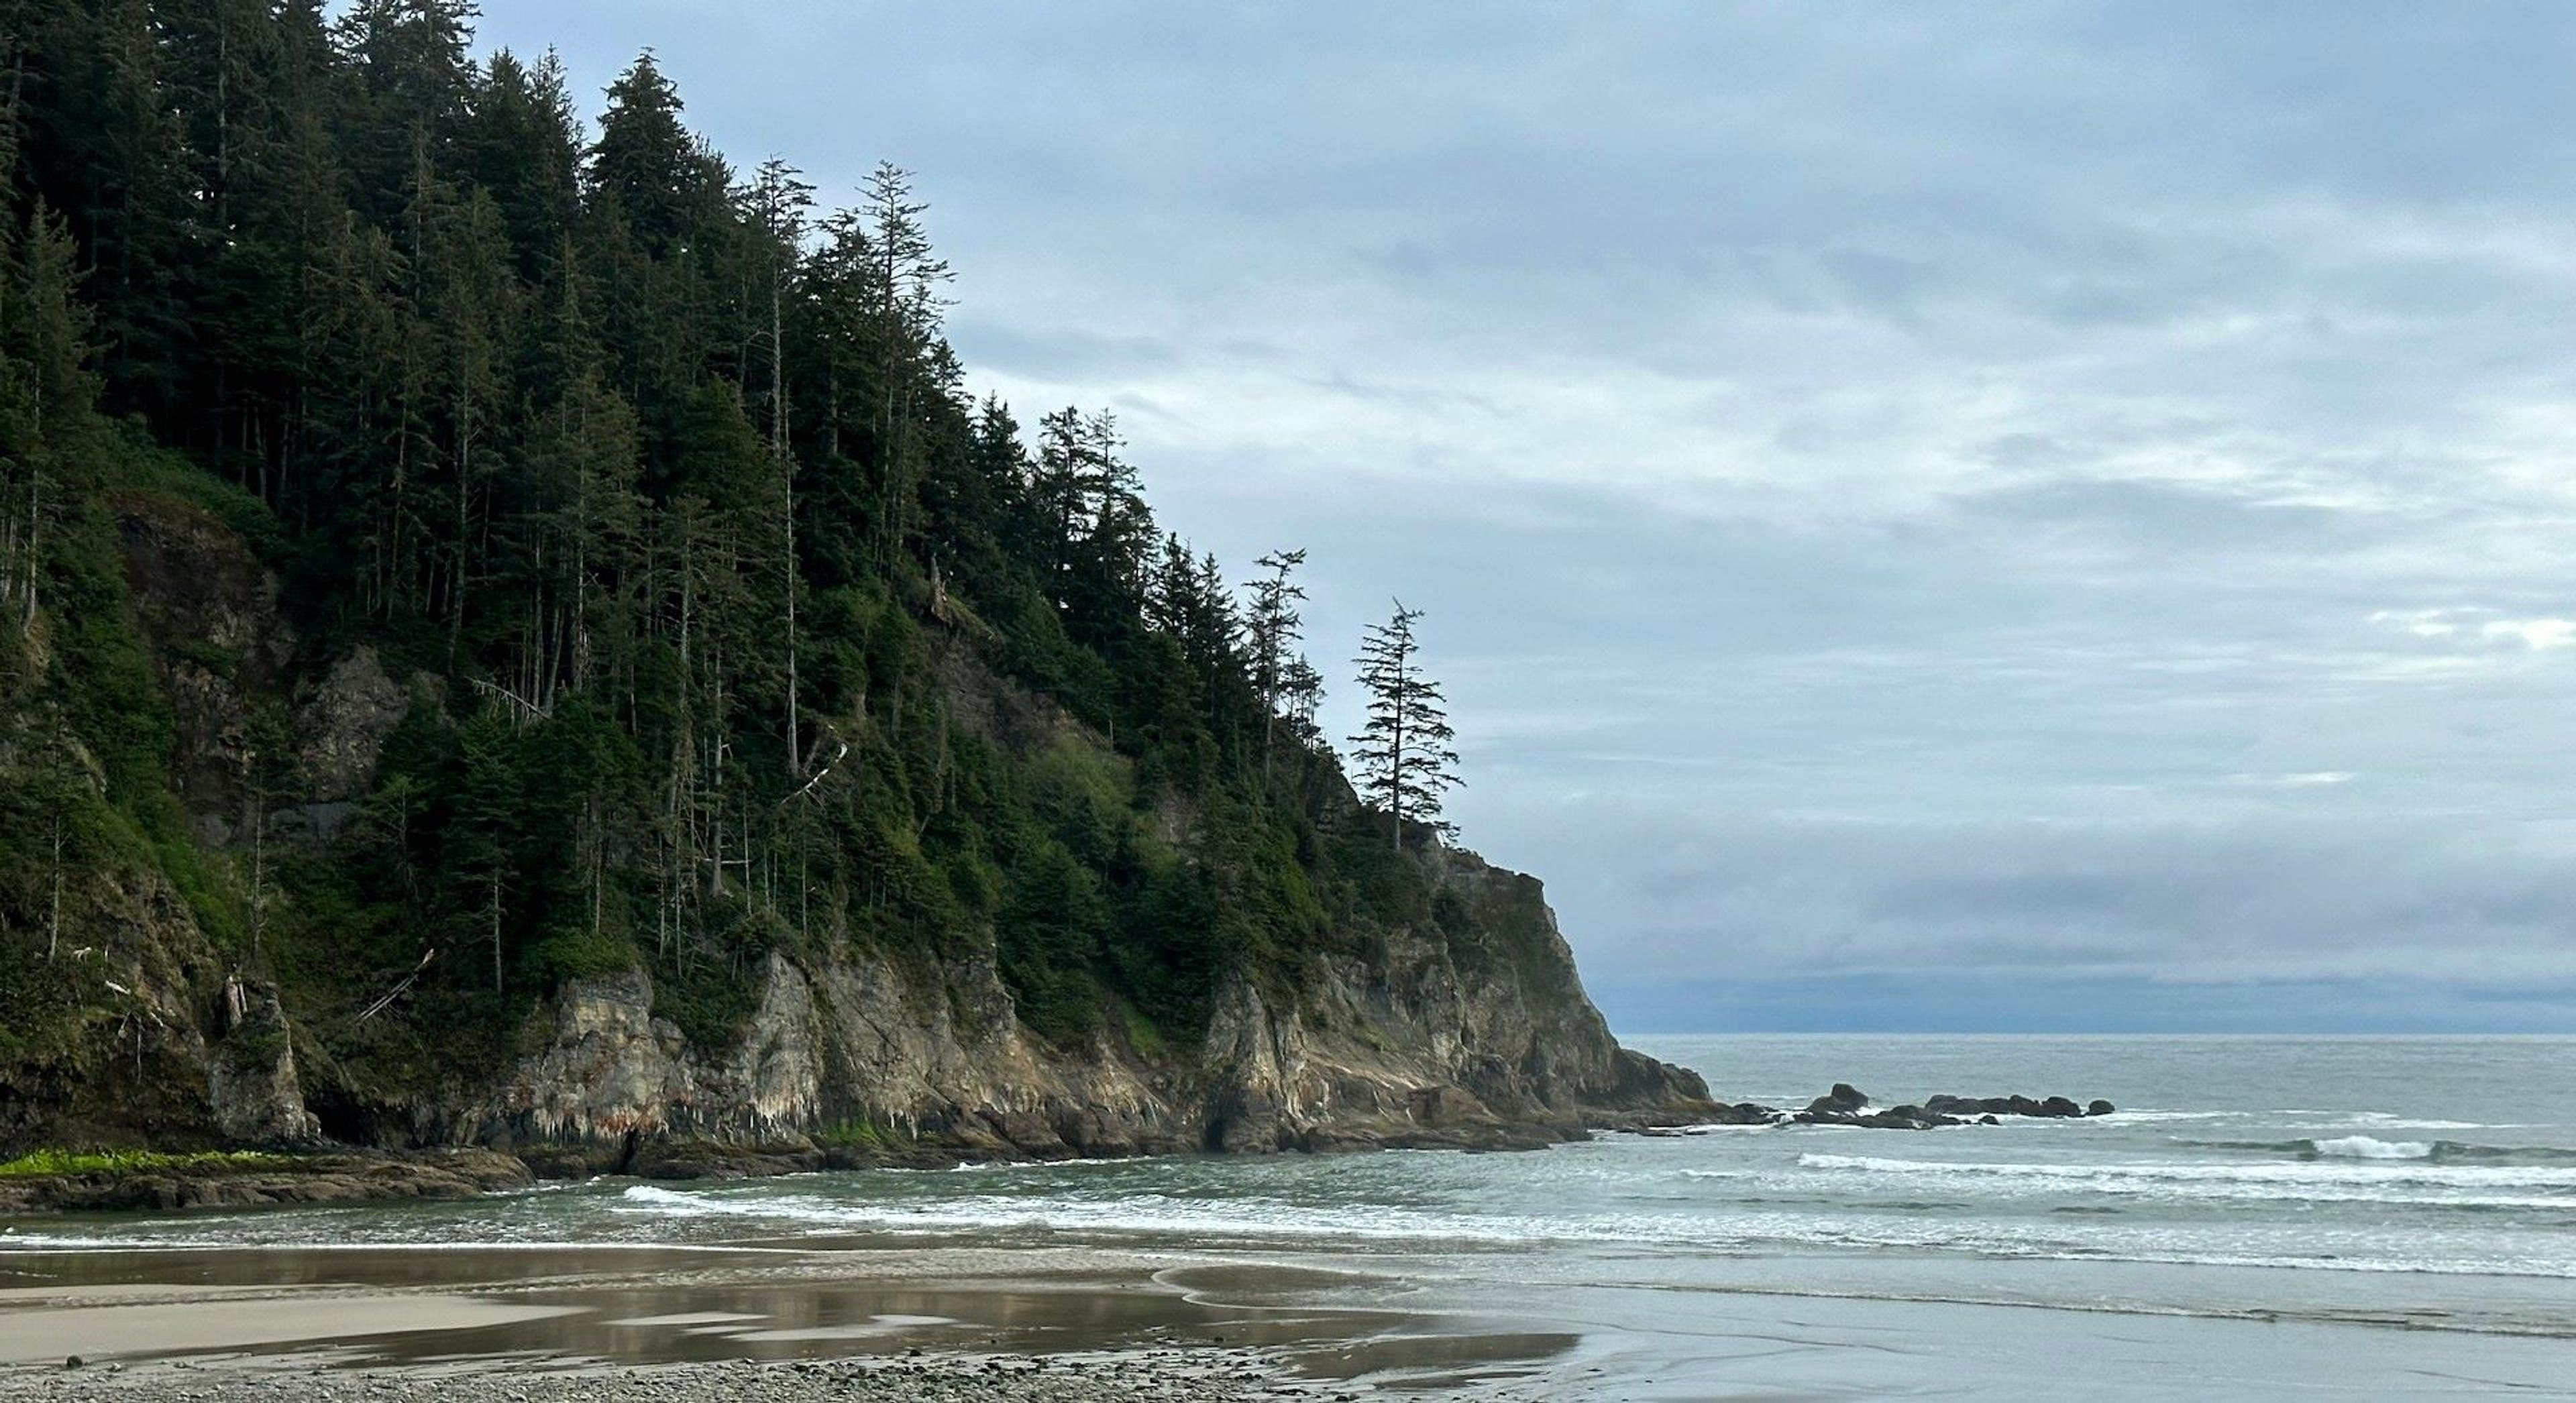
(340, 724)
(855, 1060)
(252, 1088)
(239, 1183)
(208, 610)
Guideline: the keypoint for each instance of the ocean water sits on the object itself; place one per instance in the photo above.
(2422, 1183)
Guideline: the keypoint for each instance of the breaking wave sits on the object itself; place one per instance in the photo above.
(2371, 1147)
(2346, 1177)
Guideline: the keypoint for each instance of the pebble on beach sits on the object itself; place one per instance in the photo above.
(1211, 1376)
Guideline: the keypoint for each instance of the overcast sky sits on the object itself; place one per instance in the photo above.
(1993, 516)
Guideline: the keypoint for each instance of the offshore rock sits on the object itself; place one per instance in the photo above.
(2054, 1107)
(1846, 1105)
(1843, 1100)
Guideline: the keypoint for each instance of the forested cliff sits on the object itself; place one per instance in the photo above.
(512, 631)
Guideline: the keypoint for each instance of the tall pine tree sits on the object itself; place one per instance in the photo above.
(1403, 753)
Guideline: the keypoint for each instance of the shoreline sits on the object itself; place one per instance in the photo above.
(255, 1176)
(263, 1176)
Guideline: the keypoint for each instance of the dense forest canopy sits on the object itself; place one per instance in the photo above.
(657, 481)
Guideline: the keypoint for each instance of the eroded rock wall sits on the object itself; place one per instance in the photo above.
(860, 1059)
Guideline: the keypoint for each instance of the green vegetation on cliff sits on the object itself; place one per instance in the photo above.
(624, 516)
(47, 1162)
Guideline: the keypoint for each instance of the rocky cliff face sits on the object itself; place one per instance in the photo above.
(1473, 1033)
(857, 1060)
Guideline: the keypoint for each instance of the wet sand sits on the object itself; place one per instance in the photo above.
(1039, 1324)
(203, 1319)
(112, 1329)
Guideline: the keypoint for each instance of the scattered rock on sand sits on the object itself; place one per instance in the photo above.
(1180, 1376)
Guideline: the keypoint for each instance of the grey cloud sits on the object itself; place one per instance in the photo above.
(2169, 517)
(1057, 353)
(2214, 901)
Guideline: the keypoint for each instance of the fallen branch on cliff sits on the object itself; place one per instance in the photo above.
(522, 710)
(822, 774)
(401, 988)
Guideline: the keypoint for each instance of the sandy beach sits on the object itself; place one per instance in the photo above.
(747, 1323)
(1075, 1324)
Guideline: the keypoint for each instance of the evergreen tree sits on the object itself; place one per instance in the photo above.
(777, 204)
(523, 147)
(905, 307)
(46, 390)
(1301, 690)
(645, 166)
(413, 85)
(484, 835)
(1276, 627)
(1403, 753)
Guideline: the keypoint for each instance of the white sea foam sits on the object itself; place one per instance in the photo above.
(2384, 1120)
(12, 1240)
(996, 1166)
(687, 1205)
(2464, 1176)
(1134, 1213)
(2366, 1147)
(2354, 1120)
(2352, 1178)
(1778, 1202)
(1737, 1231)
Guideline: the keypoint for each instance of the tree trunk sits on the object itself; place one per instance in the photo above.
(496, 930)
(464, 512)
(35, 539)
(787, 496)
(258, 867)
(1395, 761)
(54, 920)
